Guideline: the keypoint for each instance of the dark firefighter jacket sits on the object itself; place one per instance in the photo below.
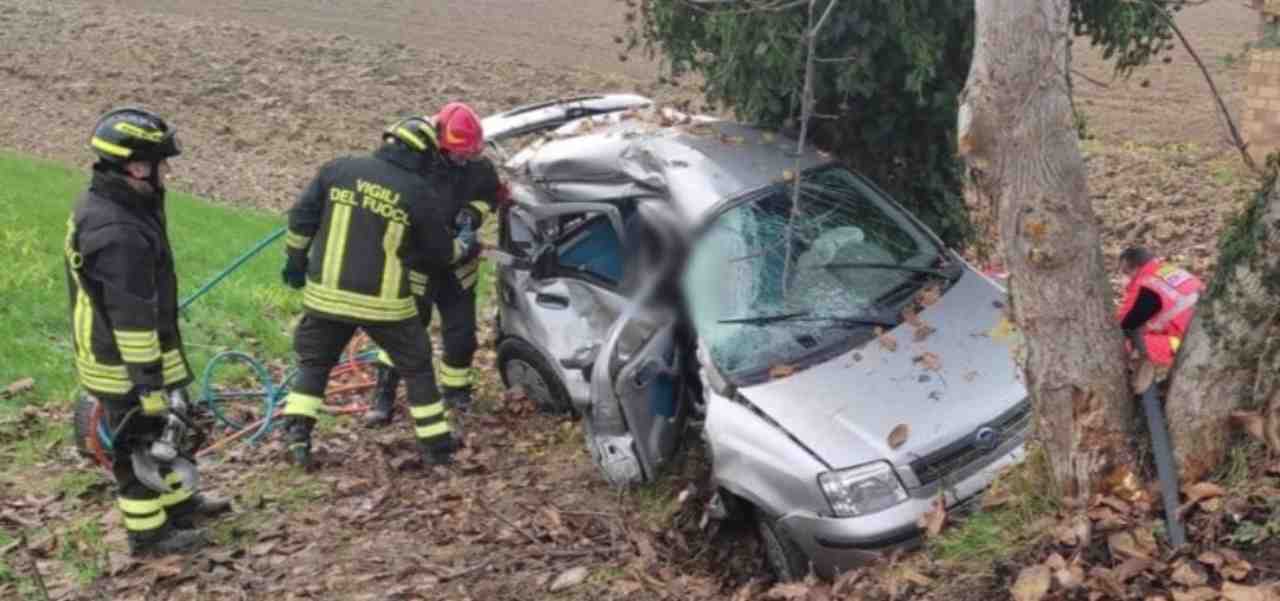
(123, 291)
(359, 222)
(472, 188)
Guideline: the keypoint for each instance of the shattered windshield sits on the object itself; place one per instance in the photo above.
(771, 283)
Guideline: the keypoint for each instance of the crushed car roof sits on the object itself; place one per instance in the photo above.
(696, 162)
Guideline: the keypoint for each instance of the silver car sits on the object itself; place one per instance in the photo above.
(661, 270)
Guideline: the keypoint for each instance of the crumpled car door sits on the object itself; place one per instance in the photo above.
(638, 386)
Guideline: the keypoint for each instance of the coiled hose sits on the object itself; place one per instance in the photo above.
(271, 393)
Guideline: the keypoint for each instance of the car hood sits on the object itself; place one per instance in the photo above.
(845, 408)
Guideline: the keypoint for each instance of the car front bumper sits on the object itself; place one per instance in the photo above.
(838, 544)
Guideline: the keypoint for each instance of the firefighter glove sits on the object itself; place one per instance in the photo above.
(470, 246)
(295, 270)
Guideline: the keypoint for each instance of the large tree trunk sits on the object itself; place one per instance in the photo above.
(1017, 136)
(1231, 357)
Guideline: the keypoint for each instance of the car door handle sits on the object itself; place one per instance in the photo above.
(551, 301)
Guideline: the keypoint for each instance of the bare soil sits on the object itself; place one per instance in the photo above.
(266, 91)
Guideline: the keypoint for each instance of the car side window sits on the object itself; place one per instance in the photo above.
(593, 248)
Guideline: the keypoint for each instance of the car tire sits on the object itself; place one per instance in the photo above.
(520, 364)
(83, 424)
(784, 558)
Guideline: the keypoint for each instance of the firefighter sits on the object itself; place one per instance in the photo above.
(1162, 298)
(351, 234)
(474, 191)
(123, 293)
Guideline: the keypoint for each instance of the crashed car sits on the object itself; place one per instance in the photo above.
(660, 270)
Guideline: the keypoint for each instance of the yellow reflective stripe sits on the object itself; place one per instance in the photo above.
(458, 249)
(411, 138)
(469, 281)
(179, 493)
(430, 133)
(425, 411)
(110, 148)
(144, 133)
(335, 245)
(111, 379)
(455, 377)
(302, 404)
(433, 430)
(139, 506)
(392, 268)
(361, 306)
(84, 322)
(150, 522)
(175, 369)
(482, 207)
(138, 347)
(294, 240)
(417, 277)
(383, 358)
(417, 289)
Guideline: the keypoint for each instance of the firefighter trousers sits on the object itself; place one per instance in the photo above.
(319, 343)
(457, 306)
(145, 511)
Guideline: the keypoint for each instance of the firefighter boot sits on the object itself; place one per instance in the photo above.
(384, 398)
(185, 515)
(298, 441)
(164, 541)
(438, 452)
(457, 400)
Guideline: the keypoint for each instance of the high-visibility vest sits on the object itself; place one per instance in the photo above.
(1178, 291)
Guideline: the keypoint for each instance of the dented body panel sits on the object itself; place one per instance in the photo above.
(716, 289)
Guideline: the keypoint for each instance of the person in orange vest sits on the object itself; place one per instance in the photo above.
(1161, 297)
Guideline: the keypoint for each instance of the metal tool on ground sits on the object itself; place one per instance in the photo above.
(1162, 449)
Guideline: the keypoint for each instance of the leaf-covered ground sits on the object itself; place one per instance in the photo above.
(262, 103)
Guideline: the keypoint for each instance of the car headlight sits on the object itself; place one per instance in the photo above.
(862, 490)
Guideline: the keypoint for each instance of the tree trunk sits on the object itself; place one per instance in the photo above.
(1231, 357)
(1017, 136)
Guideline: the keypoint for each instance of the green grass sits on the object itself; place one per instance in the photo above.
(1001, 532)
(249, 310)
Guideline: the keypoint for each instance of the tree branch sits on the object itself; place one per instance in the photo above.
(1091, 80)
(1222, 106)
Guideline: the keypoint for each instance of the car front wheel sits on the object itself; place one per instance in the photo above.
(785, 559)
(523, 366)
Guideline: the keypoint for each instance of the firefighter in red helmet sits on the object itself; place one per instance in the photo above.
(474, 192)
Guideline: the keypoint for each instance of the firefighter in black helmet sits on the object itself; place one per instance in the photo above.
(123, 292)
(352, 233)
(473, 190)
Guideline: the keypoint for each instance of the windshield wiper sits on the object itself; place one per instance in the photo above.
(807, 316)
(761, 320)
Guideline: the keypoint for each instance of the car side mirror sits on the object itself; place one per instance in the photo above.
(583, 359)
(711, 374)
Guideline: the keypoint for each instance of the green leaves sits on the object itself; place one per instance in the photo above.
(895, 100)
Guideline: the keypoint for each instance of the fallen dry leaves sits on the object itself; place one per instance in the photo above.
(887, 341)
(933, 520)
(898, 435)
(18, 386)
(1032, 584)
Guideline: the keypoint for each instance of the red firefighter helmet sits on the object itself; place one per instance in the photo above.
(459, 131)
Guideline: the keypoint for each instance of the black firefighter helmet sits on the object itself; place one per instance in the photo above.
(133, 134)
